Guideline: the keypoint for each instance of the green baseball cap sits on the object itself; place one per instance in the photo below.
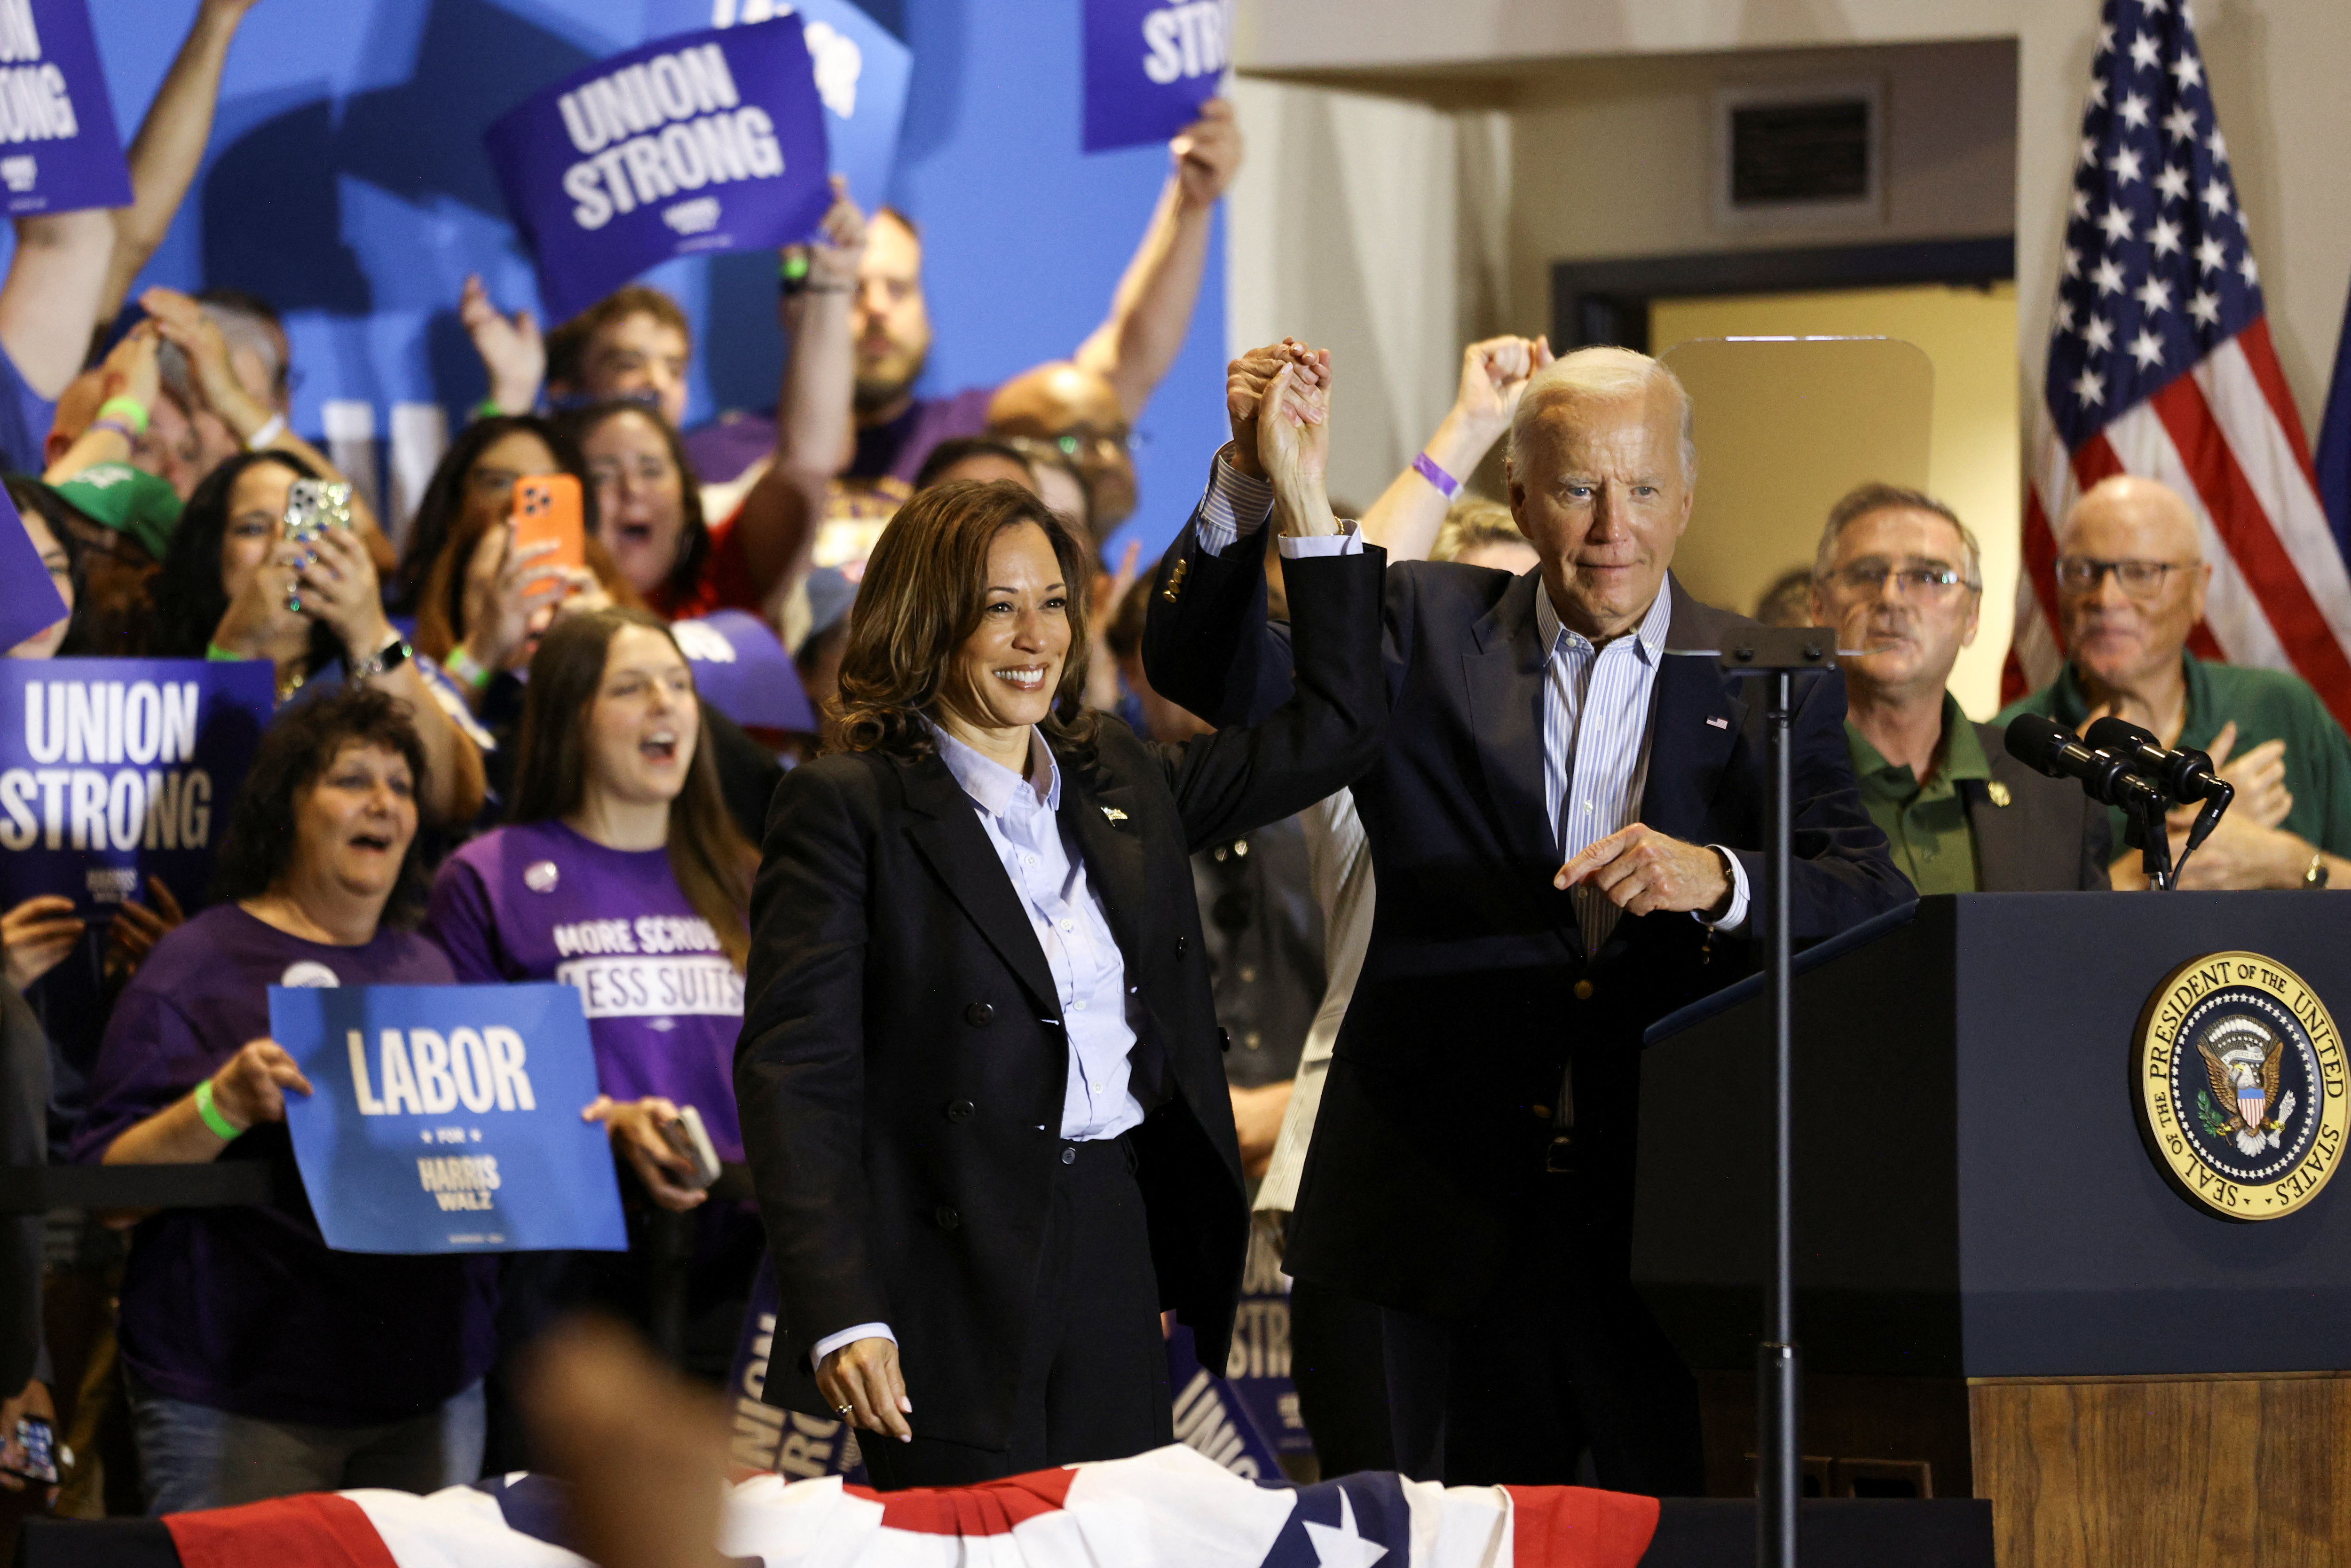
(128, 500)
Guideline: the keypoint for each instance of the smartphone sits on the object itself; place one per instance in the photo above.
(38, 1444)
(548, 507)
(314, 506)
(686, 1137)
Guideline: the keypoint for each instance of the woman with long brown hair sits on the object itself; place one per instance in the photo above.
(620, 873)
(979, 1072)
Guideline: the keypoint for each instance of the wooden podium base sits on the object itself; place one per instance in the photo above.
(2248, 1471)
(2219, 1472)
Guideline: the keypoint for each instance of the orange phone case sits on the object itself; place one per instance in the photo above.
(548, 506)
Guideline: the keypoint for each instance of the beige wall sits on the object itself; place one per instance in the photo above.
(1969, 441)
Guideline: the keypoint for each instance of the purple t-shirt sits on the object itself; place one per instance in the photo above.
(538, 901)
(721, 452)
(244, 1309)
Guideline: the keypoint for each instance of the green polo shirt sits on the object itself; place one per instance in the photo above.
(1925, 825)
(2267, 705)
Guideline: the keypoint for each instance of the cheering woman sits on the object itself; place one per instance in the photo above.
(978, 1074)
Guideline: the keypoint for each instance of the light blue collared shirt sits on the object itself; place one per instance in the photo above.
(1022, 820)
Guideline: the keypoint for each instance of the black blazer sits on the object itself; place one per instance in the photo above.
(1474, 991)
(2050, 836)
(902, 1062)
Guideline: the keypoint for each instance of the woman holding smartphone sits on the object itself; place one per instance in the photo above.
(621, 873)
(979, 1069)
(233, 586)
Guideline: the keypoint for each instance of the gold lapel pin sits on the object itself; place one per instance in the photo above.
(1998, 792)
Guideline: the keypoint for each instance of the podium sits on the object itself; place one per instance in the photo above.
(1998, 1292)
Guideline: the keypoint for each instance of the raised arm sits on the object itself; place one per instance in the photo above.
(169, 146)
(1405, 519)
(1326, 732)
(49, 302)
(513, 353)
(182, 321)
(1151, 312)
(776, 528)
(1206, 643)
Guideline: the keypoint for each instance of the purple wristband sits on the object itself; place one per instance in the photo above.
(117, 426)
(1447, 484)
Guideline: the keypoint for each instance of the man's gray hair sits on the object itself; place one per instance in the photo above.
(1604, 374)
(1863, 500)
(248, 330)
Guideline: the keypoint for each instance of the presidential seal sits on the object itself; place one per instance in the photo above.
(2238, 1080)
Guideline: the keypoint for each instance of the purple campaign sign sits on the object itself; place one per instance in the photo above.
(113, 770)
(743, 672)
(689, 145)
(1150, 65)
(58, 148)
(29, 600)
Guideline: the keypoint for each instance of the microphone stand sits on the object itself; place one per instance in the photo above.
(2147, 833)
(1778, 654)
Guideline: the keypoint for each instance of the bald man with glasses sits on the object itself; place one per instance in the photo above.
(1900, 578)
(2131, 580)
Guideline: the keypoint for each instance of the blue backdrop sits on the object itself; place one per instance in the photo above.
(345, 181)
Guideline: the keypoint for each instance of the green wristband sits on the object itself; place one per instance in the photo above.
(210, 1117)
(220, 655)
(129, 410)
(488, 409)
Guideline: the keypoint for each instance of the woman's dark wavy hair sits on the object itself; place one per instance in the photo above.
(924, 591)
(444, 497)
(298, 747)
(694, 538)
(709, 856)
(188, 597)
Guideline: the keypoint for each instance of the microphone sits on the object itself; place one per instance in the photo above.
(2185, 776)
(2047, 746)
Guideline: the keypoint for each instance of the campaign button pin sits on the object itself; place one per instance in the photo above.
(541, 877)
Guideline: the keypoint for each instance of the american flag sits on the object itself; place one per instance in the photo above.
(2160, 365)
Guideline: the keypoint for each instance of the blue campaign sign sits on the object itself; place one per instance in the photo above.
(447, 1118)
(743, 672)
(113, 770)
(58, 148)
(861, 74)
(690, 145)
(29, 600)
(1150, 65)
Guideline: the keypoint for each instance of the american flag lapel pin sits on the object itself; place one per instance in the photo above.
(1718, 722)
(1113, 814)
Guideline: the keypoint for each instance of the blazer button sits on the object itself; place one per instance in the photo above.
(947, 1218)
(1583, 990)
(1068, 1153)
(1224, 1038)
(959, 1110)
(979, 1015)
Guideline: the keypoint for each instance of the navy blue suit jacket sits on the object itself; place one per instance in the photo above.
(1430, 1148)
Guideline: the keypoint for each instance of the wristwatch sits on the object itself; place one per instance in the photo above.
(2316, 876)
(391, 656)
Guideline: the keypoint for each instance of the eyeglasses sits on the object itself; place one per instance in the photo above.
(2140, 579)
(1927, 584)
